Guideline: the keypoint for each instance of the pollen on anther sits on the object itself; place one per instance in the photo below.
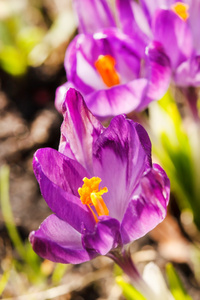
(91, 195)
(105, 65)
(181, 10)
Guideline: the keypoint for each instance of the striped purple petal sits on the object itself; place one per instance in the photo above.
(93, 15)
(148, 206)
(57, 241)
(59, 178)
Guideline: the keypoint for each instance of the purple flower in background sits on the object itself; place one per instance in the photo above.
(175, 25)
(93, 15)
(112, 74)
(101, 185)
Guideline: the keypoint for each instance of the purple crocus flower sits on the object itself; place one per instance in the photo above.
(106, 67)
(101, 185)
(175, 25)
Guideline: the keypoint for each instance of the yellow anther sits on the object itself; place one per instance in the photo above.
(91, 196)
(105, 65)
(181, 9)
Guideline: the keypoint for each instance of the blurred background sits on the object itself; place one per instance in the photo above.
(34, 35)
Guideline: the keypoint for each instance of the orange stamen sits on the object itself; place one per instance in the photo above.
(181, 9)
(105, 65)
(91, 196)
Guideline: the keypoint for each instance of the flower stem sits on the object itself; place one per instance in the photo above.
(122, 257)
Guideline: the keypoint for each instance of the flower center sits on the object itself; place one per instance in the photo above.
(105, 65)
(91, 196)
(181, 9)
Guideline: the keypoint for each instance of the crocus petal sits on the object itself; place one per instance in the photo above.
(61, 170)
(93, 15)
(125, 51)
(59, 242)
(141, 20)
(60, 95)
(148, 207)
(150, 6)
(188, 73)
(118, 99)
(194, 21)
(79, 64)
(104, 238)
(174, 34)
(145, 143)
(126, 16)
(129, 12)
(59, 178)
(120, 160)
(159, 74)
(79, 129)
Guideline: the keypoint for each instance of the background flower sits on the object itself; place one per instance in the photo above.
(112, 74)
(93, 15)
(173, 24)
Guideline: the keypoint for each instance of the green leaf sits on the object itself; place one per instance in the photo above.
(129, 292)
(3, 281)
(30, 260)
(117, 270)
(58, 273)
(175, 284)
(7, 212)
